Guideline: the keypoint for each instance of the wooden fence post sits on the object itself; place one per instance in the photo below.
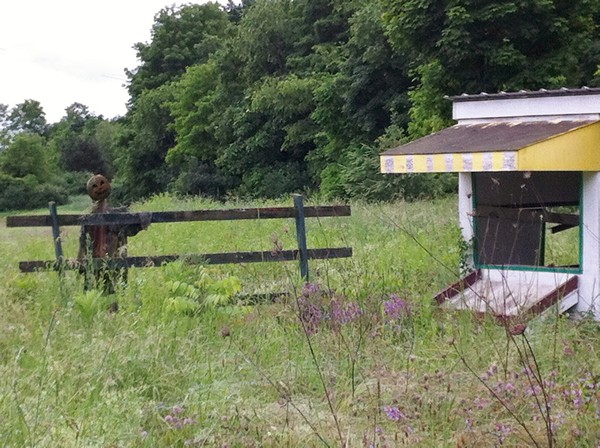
(56, 236)
(301, 235)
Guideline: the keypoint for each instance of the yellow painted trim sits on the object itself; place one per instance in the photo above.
(576, 150)
(439, 163)
(478, 161)
(497, 159)
(445, 163)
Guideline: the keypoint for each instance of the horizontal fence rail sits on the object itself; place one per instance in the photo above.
(100, 219)
(217, 258)
(298, 212)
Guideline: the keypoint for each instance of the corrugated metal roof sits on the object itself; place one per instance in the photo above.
(483, 96)
(486, 137)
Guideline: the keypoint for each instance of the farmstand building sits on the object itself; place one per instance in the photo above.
(528, 166)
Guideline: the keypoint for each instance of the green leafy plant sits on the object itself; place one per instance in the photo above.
(192, 289)
(90, 303)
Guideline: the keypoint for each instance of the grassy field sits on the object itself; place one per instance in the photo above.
(359, 357)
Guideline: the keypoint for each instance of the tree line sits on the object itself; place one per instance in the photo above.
(266, 97)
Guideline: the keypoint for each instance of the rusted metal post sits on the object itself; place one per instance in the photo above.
(301, 235)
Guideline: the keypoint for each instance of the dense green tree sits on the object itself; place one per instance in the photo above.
(356, 105)
(497, 45)
(28, 116)
(78, 147)
(108, 134)
(271, 35)
(142, 169)
(236, 11)
(238, 119)
(4, 133)
(457, 46)
(273, 129)
(181, 36)
(29, 174)
(324, 29)
(28, 154)
(77, 115)
(197, 108)
(271, 96)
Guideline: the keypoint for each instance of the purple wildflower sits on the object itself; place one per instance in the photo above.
(343, 313)
(176, 418)
(481, 403)
(502, 431)
(493, 370)
(393, 413)
(396, 308)
(311, 289)
(310, 315)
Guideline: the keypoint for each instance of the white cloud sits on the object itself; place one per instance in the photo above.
(64, 51)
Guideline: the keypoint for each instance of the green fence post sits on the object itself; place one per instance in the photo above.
(56, 236)
(301, 235)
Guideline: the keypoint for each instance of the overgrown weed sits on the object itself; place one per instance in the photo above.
(390, 367)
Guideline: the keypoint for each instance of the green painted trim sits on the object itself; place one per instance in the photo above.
(543, 245)
(531, 268)
(578, 270)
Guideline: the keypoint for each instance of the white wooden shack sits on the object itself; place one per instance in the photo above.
(528, 166)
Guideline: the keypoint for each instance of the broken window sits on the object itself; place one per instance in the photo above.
(527, 219)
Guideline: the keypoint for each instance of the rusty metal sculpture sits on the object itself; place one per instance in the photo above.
(104, 242)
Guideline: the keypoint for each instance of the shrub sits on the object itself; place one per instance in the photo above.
(200, 178)
(21, 193)
(358, 176)
(274, 181)
(74, 182)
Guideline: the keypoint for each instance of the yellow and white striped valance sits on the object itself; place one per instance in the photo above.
(450, 163)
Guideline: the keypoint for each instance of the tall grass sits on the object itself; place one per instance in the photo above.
(360, 358)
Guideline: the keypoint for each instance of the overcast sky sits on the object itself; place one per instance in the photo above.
(63, 51)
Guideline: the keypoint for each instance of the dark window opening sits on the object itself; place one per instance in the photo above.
(527, 219)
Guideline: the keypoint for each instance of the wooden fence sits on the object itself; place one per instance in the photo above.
(298, 212)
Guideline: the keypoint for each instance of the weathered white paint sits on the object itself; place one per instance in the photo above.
(465, 211)
(589, 280)
(510, 292)
(580, 117)
(549, 107)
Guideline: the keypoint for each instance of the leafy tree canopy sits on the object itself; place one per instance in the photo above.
(141, 160)
(497, 45)
(27, 155)
(181, 36)
(28, 116)
(78, 146)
